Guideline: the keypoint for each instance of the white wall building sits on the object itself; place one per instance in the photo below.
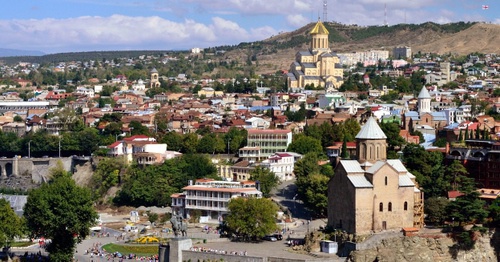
(282, 164)
(211, 197)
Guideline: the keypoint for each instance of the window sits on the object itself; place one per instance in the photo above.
(381, 207)
(390, 206)
(406, 206)
(386, 181)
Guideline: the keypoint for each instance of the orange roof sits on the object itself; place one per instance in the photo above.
(454, 194)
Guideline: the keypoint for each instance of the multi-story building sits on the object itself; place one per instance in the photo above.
(267, 142)
(371, 57)
(282, 164)
(481, 158)
(211, 197)
(401, 52)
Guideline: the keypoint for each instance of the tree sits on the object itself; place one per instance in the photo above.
(468, 208)
(107, 174)
(312, 182)
(267, 179)
(394, 140)
(251, 218)
(455, 172)
(137, 128)
(10, 224)
(18, 118)
(305, 144)
(190, 143)
(152, 217)
(344, 154)
(313, 190)
(494, 211)
(62, 212)
(428, 169)
(435, 208)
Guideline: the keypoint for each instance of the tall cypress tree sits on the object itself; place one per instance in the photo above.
(460, 136)
(344, 154)
(467, 133)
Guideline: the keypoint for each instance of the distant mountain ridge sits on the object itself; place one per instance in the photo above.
(5, 52)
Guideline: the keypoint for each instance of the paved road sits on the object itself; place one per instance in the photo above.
(286, 195)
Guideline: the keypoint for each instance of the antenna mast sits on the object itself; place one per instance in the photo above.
(385, 14)
(325, 10)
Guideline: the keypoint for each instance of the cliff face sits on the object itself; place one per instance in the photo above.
(419, 249)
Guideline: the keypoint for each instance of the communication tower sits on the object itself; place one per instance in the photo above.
(325, 10)
(385, 14)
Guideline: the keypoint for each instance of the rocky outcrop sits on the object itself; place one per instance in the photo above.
(420, 249)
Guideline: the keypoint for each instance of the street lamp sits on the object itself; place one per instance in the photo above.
(59, 146)
(29, 149)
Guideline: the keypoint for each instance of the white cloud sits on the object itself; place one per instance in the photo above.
(296, 20)
(119, 32)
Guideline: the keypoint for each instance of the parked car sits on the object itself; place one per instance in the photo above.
(270, 238)
(278, 236)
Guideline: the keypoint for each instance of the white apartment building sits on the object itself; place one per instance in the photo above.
(211, 197)
(282, 164)
(371, 56)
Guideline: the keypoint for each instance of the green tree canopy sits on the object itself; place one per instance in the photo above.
(428, 169)
(251, 218)
(62, 212)
(304, 144)
(394, 140)
(468, 208)
(10, 224)
(435, 208)
(312, 182)
(267, 179)
(107, 174)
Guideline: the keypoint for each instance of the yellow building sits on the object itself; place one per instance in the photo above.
(372, 193)
(318, 66)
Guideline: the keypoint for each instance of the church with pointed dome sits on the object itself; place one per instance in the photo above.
(373, 193)
(425, 119)
(318, 66)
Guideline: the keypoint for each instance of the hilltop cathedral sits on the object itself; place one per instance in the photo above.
(373, 193)
(317, 66)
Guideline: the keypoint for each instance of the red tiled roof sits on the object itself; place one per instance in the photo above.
(115, 144)
(454, 194)
(132, 138)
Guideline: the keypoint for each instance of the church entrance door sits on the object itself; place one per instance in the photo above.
(384, 225)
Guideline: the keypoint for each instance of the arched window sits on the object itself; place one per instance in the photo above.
(406, 206)
(381, 207)
(390, 206)
(386, 181)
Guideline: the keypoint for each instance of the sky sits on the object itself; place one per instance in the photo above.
(55, 26)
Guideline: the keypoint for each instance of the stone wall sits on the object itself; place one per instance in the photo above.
(28, 173)
(420, 249)
(39, 168)
(195, 256)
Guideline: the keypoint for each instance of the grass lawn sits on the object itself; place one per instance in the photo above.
(22, 244)
(139, 250)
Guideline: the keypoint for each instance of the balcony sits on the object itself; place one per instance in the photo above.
(210, 208)
(221, 199)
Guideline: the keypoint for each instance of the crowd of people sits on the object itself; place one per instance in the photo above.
(218, 251)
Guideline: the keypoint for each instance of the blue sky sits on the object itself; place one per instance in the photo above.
(53, 26)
